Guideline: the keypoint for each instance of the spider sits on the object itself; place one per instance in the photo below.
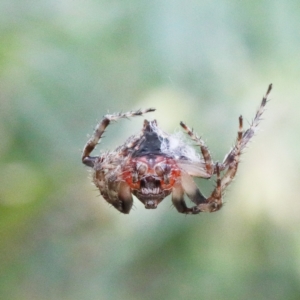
(153, 164)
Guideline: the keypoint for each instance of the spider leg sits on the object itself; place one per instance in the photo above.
(125, 198)
(231, 162)
(99, 130)
(232, 159)
(188, 186)
(214, 202)
(209, 166)
(248, 134)
(245, 137)
(179, 203)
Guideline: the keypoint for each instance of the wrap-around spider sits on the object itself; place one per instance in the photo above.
(153, 164)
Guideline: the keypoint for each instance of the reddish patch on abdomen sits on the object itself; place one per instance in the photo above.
(160, 167)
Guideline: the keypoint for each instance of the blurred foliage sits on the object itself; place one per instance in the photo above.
(63, 64)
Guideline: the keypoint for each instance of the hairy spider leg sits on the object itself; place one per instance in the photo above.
(232, 159)
(214, 202)
(99, 130)
(248, 134)
(230, 164)
(209, 166)
(188, 186)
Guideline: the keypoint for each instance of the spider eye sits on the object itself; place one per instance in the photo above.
(159, 170)
(162, 169)
(142, 168)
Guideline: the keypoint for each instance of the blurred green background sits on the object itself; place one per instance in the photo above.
(64, 64)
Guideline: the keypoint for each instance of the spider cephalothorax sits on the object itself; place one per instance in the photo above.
(153, 164)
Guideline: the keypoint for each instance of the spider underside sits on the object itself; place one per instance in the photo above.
(153, 164)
